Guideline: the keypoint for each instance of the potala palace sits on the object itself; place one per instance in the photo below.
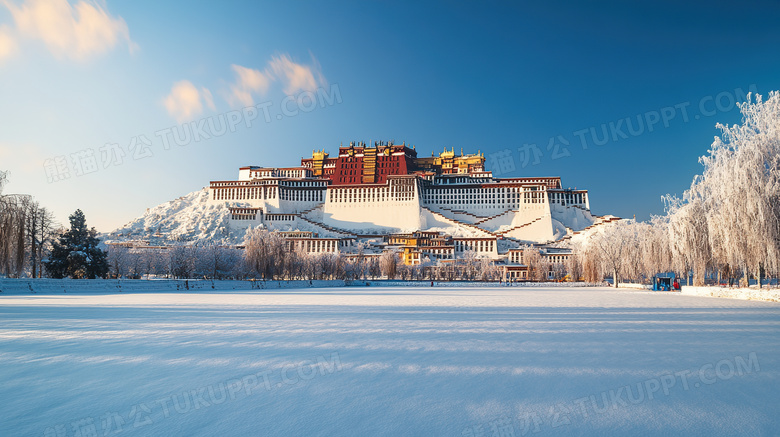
(380, 198)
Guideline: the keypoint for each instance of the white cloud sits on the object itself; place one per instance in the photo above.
(296, 77)
(248, 82)
(208, 98)
(184, 101)
(75, 31)
(292, 76)
(7, 43)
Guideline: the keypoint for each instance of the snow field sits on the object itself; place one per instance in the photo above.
(752, 293)
(389, 361)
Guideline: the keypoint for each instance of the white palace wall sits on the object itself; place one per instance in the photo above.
(391, 208)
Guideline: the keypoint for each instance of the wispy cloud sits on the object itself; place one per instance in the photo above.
(247, 83)
(208, 99)
(292, 76)
(7, 43)
(77, 31)
(184, 102)
(296, 77)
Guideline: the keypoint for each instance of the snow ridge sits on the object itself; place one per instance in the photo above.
(186, 220)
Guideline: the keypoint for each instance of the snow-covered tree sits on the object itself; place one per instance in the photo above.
(118, 259)
(573, 266)
(264, 252)
(728, 222)
(731, 213)
(388, 263)
(654, 247)
(76, 253)
(40, 231)
(537, 267)
(689, 238)
(181, 261)
(611, 246)
(470, 264)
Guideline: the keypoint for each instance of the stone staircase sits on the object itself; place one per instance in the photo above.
(599, 223)
(486, 219)
(310, 209)
(460, 211)
(458, 222)
(506, 231)
(328, 228)
(500, 234)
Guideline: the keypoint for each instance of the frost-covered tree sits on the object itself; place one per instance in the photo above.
(215, 261)
(14, 215)
(611, 246)
(470, 264)
(731, 213)
(359, 261)
(488, 271)
(182, 261)
(727, 223)
(76, 254)
(592, 270)
(573, 267)
(330, 263)
(537, 266)
(689, 238)
(117, 258)
(262, 252)
(40, 231)
(654, 246)
(373, 268)
(388, 263)
(26, 232)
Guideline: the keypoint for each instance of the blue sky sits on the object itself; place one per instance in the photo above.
(502, 78)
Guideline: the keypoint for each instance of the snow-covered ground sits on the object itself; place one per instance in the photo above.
(389, 361)
(751, 293)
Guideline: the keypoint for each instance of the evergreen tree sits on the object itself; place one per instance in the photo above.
(76, 254)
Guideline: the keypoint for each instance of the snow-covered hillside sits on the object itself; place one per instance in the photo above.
(188, 219)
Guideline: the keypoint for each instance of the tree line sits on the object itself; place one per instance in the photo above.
(725, 227)
(32, 244)
(27, 231)
(267, 255)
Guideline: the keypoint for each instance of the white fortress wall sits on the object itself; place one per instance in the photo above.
(457, 200)
(578, 198)
(244, 215)
(571, 208)
(573, 218)
(374, 208)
